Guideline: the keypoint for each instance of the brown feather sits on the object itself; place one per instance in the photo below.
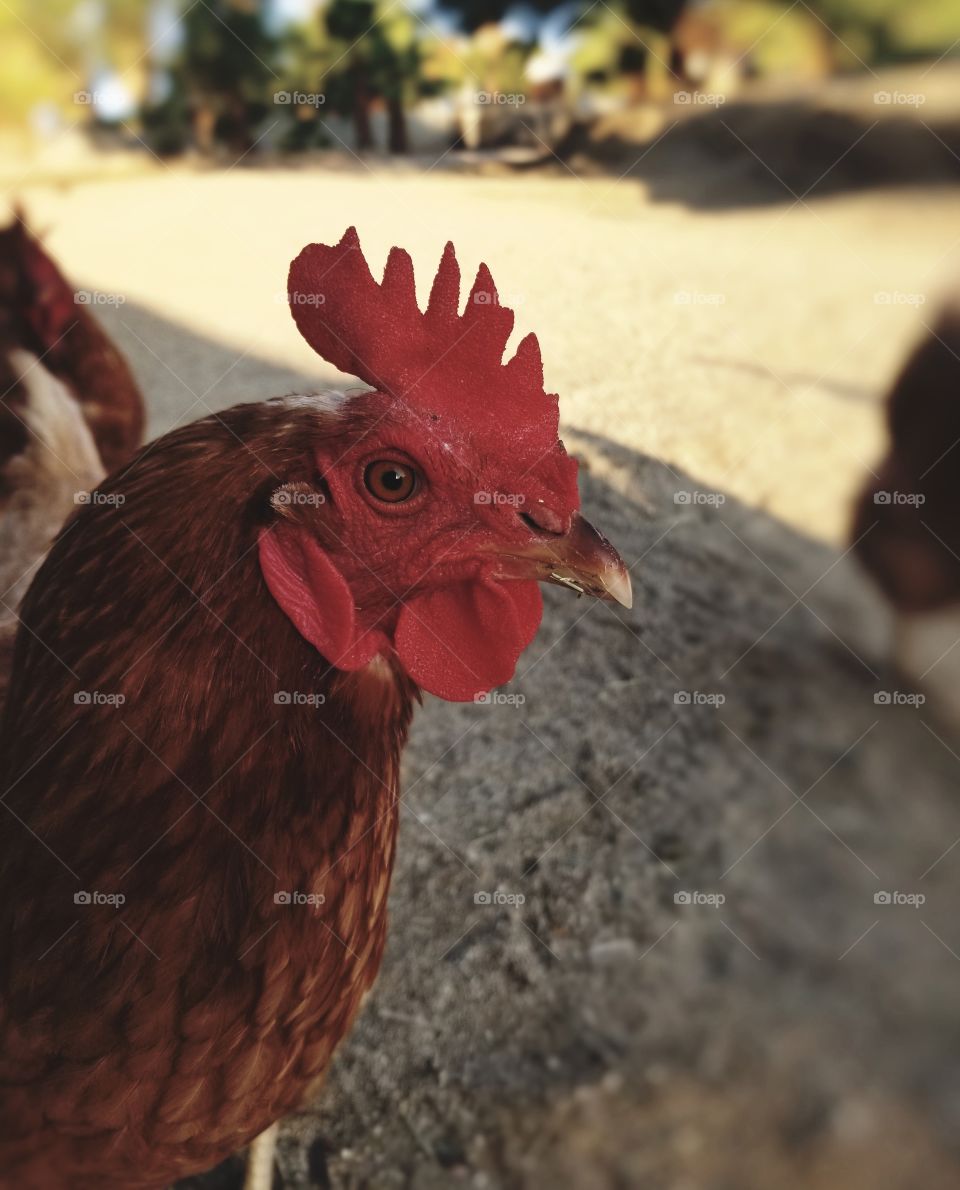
(143, 1042)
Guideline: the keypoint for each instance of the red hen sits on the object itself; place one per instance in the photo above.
(212, 685)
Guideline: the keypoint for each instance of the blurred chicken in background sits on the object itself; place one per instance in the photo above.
(70, 410)
(907, 522)
(43, 314)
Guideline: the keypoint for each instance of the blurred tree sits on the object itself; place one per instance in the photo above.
(633, 58)
(226, 72)
(661, 15)
(496, 62)
(657, 14)
(878, 31)
(377, 57)
(474, 13)
(350, 22)
(305, 56)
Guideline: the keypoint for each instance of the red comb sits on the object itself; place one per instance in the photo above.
(438, 361)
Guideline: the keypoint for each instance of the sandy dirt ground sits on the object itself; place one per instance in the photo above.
(697, 800)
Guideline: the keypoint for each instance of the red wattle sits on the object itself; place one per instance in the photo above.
(462, 640)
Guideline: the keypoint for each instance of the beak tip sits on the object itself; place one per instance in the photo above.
(581, 559)
(620, 588)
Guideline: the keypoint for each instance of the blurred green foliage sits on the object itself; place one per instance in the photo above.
(376, 56)
(368, 55)
(52, 48)
(882, 31)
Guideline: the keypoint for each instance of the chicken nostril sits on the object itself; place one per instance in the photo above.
(543, 520)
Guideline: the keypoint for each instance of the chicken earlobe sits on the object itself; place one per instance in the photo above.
(315, 596)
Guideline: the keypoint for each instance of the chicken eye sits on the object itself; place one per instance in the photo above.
(390, 481)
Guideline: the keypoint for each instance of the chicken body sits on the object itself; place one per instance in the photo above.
(41, 312)
(236, 869)
(906, 530)
(212, 682)
(70, 410)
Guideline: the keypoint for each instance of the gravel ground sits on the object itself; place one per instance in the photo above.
(604, 1033)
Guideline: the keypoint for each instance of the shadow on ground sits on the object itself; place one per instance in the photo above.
(636, 938)
(757, 154)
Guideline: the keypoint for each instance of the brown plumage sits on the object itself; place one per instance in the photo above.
(42, 313)
(69, 409)
(210, 1008)
(201, 802)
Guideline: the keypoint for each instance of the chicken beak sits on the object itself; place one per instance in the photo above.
(581, 559)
